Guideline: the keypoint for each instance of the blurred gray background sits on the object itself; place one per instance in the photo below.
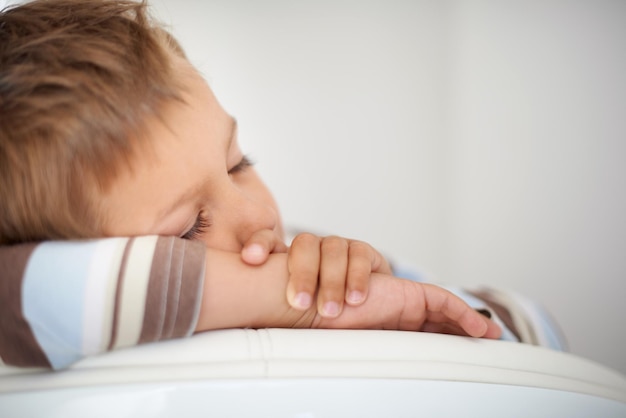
(482, 141)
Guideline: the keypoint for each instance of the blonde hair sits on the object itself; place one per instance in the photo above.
(78, 79)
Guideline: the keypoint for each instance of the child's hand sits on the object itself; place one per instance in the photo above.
(399, 304)
(337, 268)
(341, 266)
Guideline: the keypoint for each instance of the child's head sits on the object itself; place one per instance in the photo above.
(106, 129)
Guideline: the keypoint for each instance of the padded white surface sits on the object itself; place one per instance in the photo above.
(308, 398)
(318, 373)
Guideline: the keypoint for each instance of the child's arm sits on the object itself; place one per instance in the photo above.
(328, 270)
(64, 300)
(238, 295)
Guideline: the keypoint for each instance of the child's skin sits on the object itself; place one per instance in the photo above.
(193, 181)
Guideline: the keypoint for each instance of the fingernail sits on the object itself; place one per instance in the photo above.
(331, 309)
(302, 300)
(355, 297)
(254, 251)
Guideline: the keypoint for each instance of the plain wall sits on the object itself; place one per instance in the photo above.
(483, 141)
(536, 153)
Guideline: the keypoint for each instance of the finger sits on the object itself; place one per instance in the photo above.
(332, 278)
(303, 263)
(441, 301)
(360, 266)
(380, 263)
(493, 330)
(442, 328)
(442, 325)
(260, 245)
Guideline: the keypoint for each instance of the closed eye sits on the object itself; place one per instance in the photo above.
(241, 165)
(199, 227)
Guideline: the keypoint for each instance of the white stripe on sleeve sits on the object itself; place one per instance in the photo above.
(104, 270)
(134, 290)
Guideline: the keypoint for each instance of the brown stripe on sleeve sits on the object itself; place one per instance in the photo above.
(156, 296)
(118, 291)
(190, 298)
(18, 346)
(175, 289)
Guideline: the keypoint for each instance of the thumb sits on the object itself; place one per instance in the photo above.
(260, 245)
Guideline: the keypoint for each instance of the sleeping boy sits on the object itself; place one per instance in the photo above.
(129, 213)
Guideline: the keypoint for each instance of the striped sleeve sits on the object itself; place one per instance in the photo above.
(64, 300)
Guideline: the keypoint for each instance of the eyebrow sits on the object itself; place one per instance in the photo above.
(191, 193)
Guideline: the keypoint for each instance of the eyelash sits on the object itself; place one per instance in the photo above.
(202, 224)
(242, 165)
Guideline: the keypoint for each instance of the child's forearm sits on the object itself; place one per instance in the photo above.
(237, 295)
